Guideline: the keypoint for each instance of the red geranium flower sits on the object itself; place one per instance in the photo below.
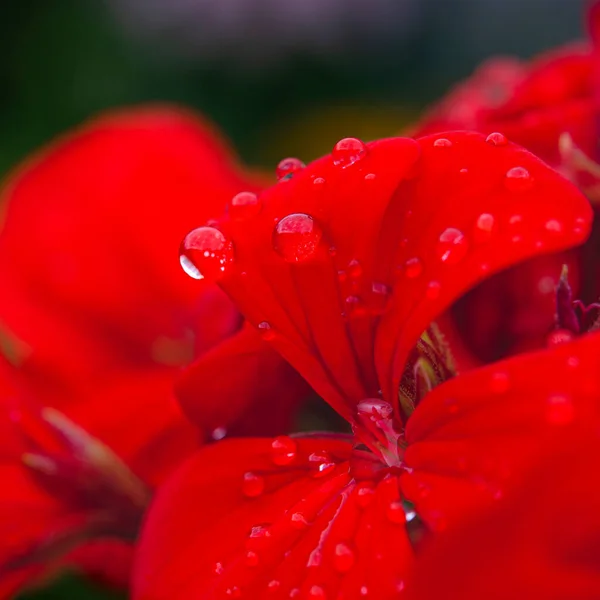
(98, 319)
(550, 106)
(342, 266)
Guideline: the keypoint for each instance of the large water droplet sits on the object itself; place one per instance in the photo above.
(496, 139)
(348, 151)
(413, 267)
(442, 143)
(244, 206)
(559, 409)
(518, 179)
(287, 167)
(205, 253)
(253, 485)
(343, 558)
(283, 450)
(297, 237)
(452, 246)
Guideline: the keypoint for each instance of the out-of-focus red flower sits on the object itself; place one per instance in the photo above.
(550, 106)
(543, 541)
(97, 319)
(342, 266)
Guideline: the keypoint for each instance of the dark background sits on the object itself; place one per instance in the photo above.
(281, 77)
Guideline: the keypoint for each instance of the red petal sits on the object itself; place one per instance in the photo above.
(88, 252)
(422, 197)
(542, 542)
(471, 438)
(244, 385)
(319, 535)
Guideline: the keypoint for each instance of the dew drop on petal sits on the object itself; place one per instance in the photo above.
(496, 139)
(298, 521)
(433, 290)
(283, 450)
(218, 569)
(413, 267)
(273, 585)
(343, 558)
(518, 179)
(553, 226)
(287, 167)
(559, 409)
(347, 152)
(364, 591)
(266, 331)
(244, 205)
(484, 227)
(442, 143)
(205, 253)
(319, 181)
(233, 592)
(499, 382)
(370, 177)
(355, 307)
(395, 513)
(218, 433)
(253, 485)
(316, 592)
(452, 246)
(294, 593)
(354, 269)
(321, 462)
(364, 495)
(252, 559)
(297, 237)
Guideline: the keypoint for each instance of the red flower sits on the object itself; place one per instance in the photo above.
(342, 270)
(99, 318)
(550, 106)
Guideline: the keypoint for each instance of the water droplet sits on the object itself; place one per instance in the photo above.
(273, 585)
(218, 433)
(381, 298)
(319, 181)
(553, 226)
(496, 139)
(559, 409)
(244, 205)
(395, 513)
(559, 336)
(294, 593)
(205, 253)
(287, 167)
(218, 569)
(364, 495)
(364, 590)
(573, 362)
(283, 450)
(234, 592)
(499, 382)
(253, 485)
(413, 267)
(348, 151)
(298, 521)
(297, 237)
(484, 228)
(354, 269)
(433, 290)
(252, 559)
(442, 143)
(518, 179)
(355, 307)
(322, 463)
(464, 171)
(370, 177)
(316, 592)
(343, 558)
(452, 246)
(266, 331)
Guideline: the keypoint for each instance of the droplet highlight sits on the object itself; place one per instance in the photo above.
(253, 485)
(518, 179)
(283, 450)
(442, 143)
(452, 246)
(243, 206)
(413, 267)
(496, 139)
(343, 558)
(287, 168)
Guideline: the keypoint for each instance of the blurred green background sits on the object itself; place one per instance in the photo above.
(281, 77)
